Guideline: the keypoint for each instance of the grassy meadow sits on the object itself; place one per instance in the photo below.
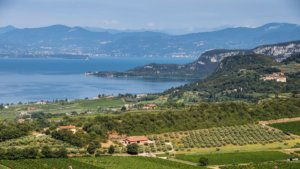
(290, 127)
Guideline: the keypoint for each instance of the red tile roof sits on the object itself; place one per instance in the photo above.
(67, 127)
(151, 105)
(137, 138)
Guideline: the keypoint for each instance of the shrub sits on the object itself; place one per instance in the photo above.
(203, 161)
(132, 149)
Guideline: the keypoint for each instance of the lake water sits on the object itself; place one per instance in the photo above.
(47, 79)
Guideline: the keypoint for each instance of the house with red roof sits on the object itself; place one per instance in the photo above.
(136, 139)
(149, 106)
(69, 128)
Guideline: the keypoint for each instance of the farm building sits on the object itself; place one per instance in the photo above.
(70, 128)
(149, 106)
(278, 77)
(136, 139)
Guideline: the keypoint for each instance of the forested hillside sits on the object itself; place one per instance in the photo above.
(241, 77)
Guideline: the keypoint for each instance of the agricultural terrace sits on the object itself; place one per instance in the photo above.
(289, 127)
(105, 162)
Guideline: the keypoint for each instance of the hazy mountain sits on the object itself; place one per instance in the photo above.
(59, 39)
(6, 29)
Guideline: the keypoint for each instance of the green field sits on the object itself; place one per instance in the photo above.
(218, 137)
(290, 127)
(105, 162)
(79, 106)
(271, 165)
(60, 163)
(98, 103)
(235, 158)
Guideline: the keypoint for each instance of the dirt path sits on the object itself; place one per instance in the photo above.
(290, 150)
(284, 120)
(182, 161)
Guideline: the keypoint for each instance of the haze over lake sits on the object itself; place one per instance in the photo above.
(47, 79)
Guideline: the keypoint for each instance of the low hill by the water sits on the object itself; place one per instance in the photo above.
(250, 77)
(206, 63)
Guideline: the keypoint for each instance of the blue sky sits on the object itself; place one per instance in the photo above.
(188, 15)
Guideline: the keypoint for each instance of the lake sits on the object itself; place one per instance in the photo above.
(29, 80)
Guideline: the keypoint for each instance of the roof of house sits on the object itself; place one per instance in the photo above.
(137, 138)
(151, 105)
(67, 127)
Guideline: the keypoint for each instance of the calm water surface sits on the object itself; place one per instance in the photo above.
(47, 79)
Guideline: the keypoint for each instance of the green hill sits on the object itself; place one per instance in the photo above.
(240, 77)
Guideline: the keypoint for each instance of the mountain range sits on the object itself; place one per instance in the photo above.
(64, 40)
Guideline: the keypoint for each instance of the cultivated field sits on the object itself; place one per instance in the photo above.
(79, 106)
(235, 158)
(37, 142)
(105, 162)
(290, 127)
(271, 165)
(217, 137)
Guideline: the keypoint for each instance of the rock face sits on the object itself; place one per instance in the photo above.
(277, 51)
(207, 62)
(280, 51)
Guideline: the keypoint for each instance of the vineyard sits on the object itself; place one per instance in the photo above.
(59, 163)
(105, 162)
(270, 165)
(236, 157)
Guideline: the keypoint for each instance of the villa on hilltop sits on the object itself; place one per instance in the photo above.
(278, 77)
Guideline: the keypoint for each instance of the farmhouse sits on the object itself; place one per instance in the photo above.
(278, 77)
(69, 128)
(136, 139)
(138, 96)
(149, 106)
